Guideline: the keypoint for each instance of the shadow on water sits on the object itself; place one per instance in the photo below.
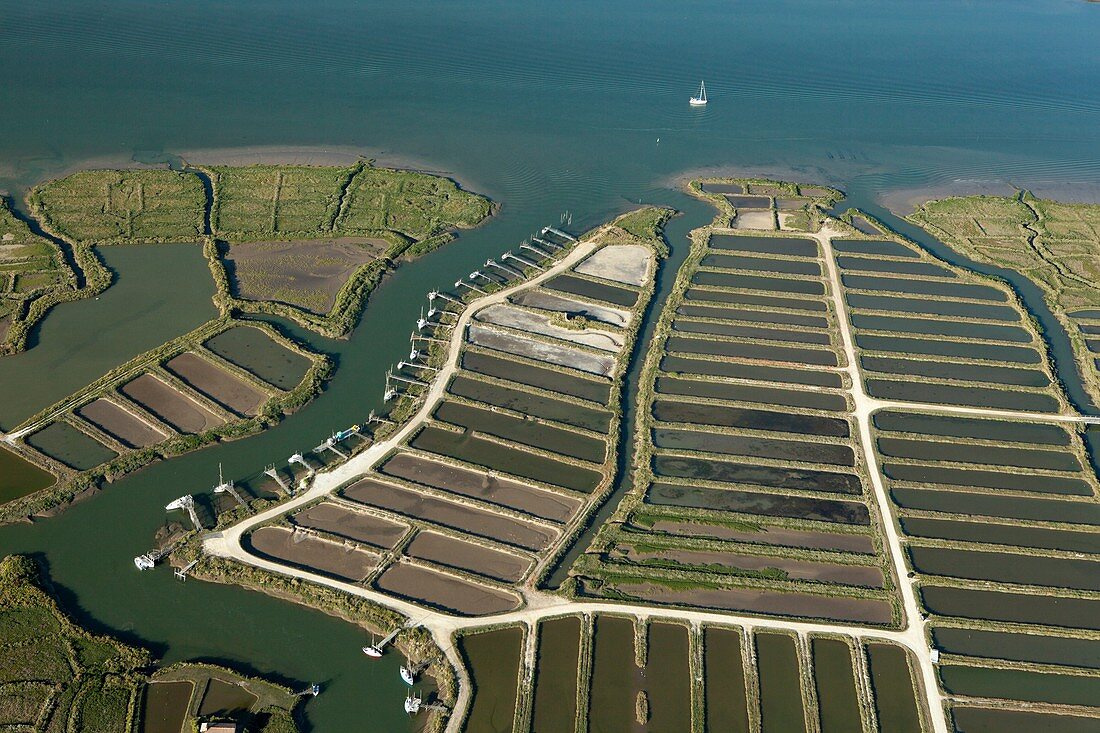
(694, 214)
(1059, 346)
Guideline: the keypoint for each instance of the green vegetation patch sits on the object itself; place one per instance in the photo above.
(56, 676)
(112, 206)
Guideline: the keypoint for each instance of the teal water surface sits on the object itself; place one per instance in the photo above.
(546, 107)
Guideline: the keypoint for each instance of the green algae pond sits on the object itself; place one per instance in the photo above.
(255, 351)
(494, 661)
(834, 677)
(165, 706)
(554, 380)
(726, 705)
(19, 477)
(70, 446)
(1019, 684)
(892, 682)
(781, 707)
(555, 695)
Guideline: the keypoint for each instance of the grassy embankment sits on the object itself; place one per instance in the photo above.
(1055, 244)
(33, 276)
(412, 212)
(56, 676)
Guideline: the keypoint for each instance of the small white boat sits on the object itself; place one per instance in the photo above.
(412, 703)
(408, 675)
(701, 100)
(373, 650)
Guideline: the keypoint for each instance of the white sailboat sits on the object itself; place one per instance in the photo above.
(701, 100)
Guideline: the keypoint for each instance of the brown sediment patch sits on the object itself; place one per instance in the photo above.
(755, 220)
(167, 403)
(822, 572)
(217, 384)
(561, 355)
(484, 486)
(450, 514)
(444, 591)
(444, 550)
(833, 608)
(771, 536)
(123, 425)
(624, 263)
(312, 553)
(304, 273)
(348, 523)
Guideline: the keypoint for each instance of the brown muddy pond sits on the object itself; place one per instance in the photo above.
(1002, 534)
(124, 426)
(992, 720)
(834, 678)
(790, 246)
(451, 514)
(958, 349)
(725, 706)
(942, 327)
(737, 349)
(312, 553)
(761, 264)
(219, 385)
(547, 408)
(1007, 567)
(722, 188)
(356, 526)
(771, 396)
(991, 505)
(554, 380)
(454, 553)
(804, 479)
(760, 372)
(442, 590)
(523, 431)
(992, 455)
(932, 306)
(767, 535)
(893, 267)
(884, 248)
(224, 698)
(752, 502)
(737, 330)
(169, 404)
(759, 282)
(480, 485)
(1025, 608)
(66, 444)
(909, 285)
(755, 446)
(769, 301)
(1015, 481)
(1067, 651)
(537, 298)
(164, 706)
(555, 695)
(866, 227)
(957, 371)
(557, 353)
(781, 709)
(1018, 684)
(691, 308)
(892, 683)
(591, 289)
(19, 477)
(965, 427)
(952, 395)
(494, 661)
(743, 417)
(252, 349)
(494, 456)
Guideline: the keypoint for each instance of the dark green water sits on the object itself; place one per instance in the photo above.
(545, 107)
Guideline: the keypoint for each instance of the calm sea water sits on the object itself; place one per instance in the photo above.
(547, 107)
